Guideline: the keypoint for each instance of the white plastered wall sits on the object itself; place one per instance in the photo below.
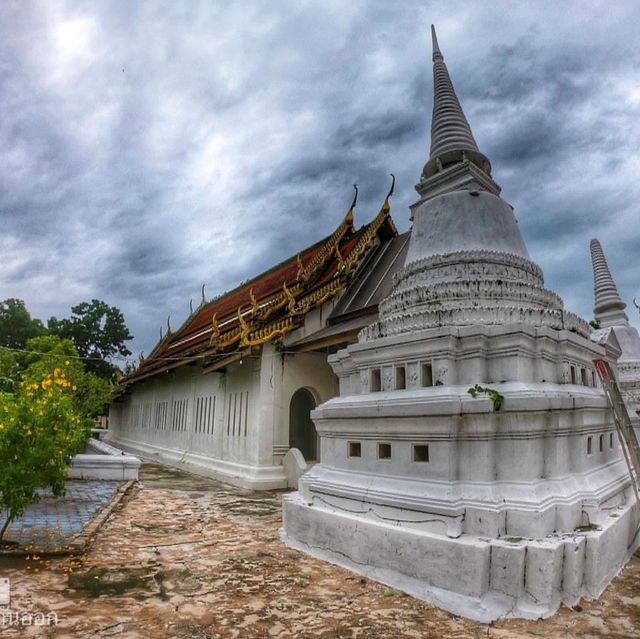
(233, 425)
(282, 375)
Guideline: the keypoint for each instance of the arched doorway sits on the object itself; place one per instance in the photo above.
(302, 432)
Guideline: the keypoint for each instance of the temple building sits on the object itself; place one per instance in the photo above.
(230, 392)
(471, 457)
(610, 316)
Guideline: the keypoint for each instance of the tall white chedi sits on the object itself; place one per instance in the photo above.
(609, 312)
(508, 502)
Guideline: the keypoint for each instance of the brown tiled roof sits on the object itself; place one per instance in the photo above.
(268, 306)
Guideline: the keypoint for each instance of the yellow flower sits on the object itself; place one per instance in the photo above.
(1, 426)
(75, 388)
(66, 363)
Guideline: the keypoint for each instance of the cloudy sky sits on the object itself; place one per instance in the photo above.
(149, 147)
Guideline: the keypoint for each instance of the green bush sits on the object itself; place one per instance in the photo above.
(41, 429)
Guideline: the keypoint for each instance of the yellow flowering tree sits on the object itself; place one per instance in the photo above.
(41, 430)
(45, 353)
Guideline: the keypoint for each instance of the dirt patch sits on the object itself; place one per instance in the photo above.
(174, 561)
(142, 580)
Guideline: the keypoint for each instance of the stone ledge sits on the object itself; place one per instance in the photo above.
(481, 579)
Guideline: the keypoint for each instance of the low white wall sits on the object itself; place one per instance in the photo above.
(106, 463)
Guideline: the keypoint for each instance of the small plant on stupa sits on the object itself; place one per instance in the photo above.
(41, 430)
(493, 394)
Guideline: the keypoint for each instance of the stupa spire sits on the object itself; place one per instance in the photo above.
(450, 130)
(452, 141)
(609, 308)
(434, 44)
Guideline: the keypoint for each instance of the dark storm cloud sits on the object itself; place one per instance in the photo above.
(150, 147)
(372, 131)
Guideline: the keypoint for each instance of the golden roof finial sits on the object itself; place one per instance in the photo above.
(386, 207)
(292, 300)
(243, 324)
(349, 217)
(214, 328)
(168, 325)
(191, 307)
(300, 267)
(336, 249)
(204, 299)
(141, 358)
(254, 303)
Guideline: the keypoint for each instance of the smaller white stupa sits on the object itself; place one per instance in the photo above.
(609, 312)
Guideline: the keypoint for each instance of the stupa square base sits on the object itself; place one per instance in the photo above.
(475, 577)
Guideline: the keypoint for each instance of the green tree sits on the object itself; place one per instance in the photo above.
(45, 354)
(40, 431)
(10, 370)
(98, 332)
(16, 324)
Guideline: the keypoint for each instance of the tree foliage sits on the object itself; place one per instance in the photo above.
(50, 395)
(40, 431)
(16, 324)
(98, 332)
(49, 352)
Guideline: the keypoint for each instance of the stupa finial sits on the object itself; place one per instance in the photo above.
(609, 308)
(452, 142)
(434, 42)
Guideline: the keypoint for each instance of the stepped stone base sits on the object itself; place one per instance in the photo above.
(471, 576)
(484, 513)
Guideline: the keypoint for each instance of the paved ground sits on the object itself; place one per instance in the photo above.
(50, 524)
(188, 557)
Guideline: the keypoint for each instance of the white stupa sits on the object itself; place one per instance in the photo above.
(609, 312)
(508, 503)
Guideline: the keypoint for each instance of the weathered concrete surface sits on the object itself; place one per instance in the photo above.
(190, 557)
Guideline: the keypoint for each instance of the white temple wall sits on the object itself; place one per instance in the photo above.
(206, 423)
(232, 425)
(178, 412)
(239, 435)
(281, 376)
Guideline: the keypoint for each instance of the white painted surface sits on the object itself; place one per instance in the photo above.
(460, 221)
(104, 462)
(231, 425)
(294, 467)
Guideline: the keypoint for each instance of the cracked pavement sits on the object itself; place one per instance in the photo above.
(184, 556)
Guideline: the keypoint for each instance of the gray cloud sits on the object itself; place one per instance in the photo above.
(148, 148)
